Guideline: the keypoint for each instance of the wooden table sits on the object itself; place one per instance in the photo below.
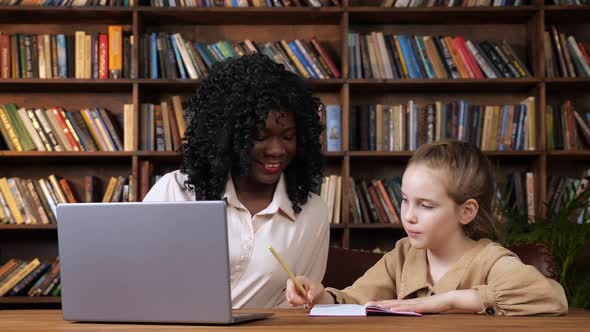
(297, 320)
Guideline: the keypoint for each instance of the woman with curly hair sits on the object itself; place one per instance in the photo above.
(253, 140)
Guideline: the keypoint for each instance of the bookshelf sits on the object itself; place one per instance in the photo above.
(522, 26)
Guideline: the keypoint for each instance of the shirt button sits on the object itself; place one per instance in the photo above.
(243, 258)
(490, 311)
(238, 268)
(246, 246)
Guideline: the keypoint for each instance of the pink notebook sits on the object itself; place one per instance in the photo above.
(356, 310)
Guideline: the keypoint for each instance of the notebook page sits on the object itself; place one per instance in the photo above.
(338, 310)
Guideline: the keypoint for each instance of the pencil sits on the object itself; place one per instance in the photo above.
(291, 275)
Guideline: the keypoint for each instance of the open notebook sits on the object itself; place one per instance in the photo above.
(356, 310)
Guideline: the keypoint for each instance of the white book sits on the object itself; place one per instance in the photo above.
(356, 310)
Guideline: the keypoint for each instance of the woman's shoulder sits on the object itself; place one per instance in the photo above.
(170, 187)
(315, 205)
(174, 178)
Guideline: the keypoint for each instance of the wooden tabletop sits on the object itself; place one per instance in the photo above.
(297, 320)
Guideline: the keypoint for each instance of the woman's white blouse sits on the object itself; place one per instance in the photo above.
(257, 279)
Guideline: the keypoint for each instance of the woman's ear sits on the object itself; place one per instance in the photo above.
(468, 211)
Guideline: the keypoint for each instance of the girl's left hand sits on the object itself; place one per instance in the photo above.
(431, 304)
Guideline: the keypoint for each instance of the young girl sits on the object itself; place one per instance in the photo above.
(447, 263)
(253, 141)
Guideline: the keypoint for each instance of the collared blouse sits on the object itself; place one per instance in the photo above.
(257, 279)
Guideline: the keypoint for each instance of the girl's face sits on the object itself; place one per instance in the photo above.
(274, 147)
(429, 215)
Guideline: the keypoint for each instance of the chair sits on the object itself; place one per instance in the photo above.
(347, 265)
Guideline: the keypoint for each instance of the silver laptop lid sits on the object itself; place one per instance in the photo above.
(144, 262)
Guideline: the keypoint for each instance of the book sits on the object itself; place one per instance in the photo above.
(356, 310)
(334, 128)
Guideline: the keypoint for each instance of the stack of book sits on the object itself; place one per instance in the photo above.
(567, 128)
(169, 55)
(568, 2)
(452, 3)
(384, 56)
(565, 56)
(562, 189)
(405, 127)
(517, 193)
(375, 201)
(331, 194)
(83, 55)
(69, 3)
(162, 126)
(34, 201)
(30, 278)
(244, 3)
(55, 129)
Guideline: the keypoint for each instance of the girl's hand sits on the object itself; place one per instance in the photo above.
(295, 298)
(431, 304)
(457, 301)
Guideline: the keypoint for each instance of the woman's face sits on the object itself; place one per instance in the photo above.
(274, 147)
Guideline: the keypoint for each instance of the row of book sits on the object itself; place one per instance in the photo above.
(277, 3)
(82, 55)
(565, 56)
(516, 192)
(452, 3)
(55, 129)
(403, 127)
(375, 201)
(162, 126)
(331, 194)
(169, 55)
(560, 189)
(567, 128)
(385, 56)
(244, 3)
(34, 201)
(568, 2)
(30, 278)
(69, 3)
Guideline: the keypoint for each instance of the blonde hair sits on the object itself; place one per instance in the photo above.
(470, 176)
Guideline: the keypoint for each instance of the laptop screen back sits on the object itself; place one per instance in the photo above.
(144, 262)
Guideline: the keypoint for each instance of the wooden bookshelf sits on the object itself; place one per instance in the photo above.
(35, 227)
(30, 300)
(521, 26)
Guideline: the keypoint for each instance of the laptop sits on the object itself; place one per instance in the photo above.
(157, 262)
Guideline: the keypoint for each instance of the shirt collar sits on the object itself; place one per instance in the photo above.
(415, 271)
(280, 200)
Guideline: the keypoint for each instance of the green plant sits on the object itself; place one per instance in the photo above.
(560, 232)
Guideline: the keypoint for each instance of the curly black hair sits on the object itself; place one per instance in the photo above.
(224, 113)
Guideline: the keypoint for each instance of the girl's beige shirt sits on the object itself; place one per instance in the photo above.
(505, 284)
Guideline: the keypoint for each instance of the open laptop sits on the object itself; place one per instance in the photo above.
(161, 262)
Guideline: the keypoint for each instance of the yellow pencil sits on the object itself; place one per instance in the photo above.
(291, 275)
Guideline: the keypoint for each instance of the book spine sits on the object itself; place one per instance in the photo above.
(115, 51)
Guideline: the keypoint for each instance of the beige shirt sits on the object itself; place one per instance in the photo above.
(505, 284)
(257, 279)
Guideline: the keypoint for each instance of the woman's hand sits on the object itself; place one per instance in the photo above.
(313, 291)
(465, 301)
